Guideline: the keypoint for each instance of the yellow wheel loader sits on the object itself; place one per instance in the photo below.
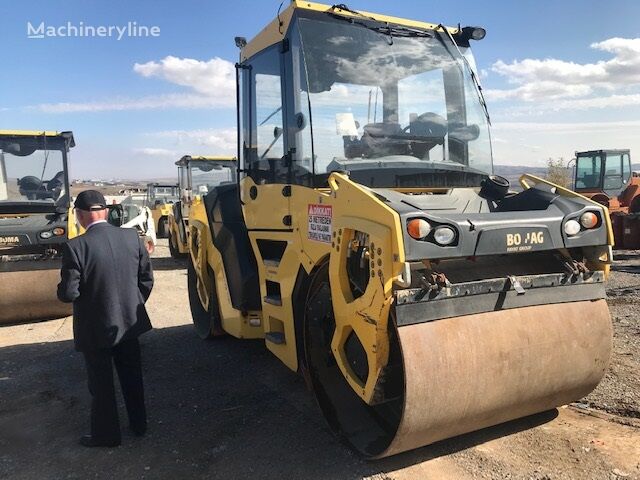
(35, 221)
(367, 241)
(197, 175)
(160, 199)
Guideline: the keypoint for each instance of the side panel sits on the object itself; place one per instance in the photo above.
(207, 260)
(326, 224)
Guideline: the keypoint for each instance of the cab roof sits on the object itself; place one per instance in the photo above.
(277, 29)
(207, 158)
(34, 134)
(603, 150)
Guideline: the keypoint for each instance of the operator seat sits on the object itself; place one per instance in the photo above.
(231, 238)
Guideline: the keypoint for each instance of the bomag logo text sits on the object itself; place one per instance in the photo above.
(518, 242)
(8, 240)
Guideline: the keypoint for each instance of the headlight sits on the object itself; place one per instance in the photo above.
(46, 234)
(572, 227)
(444, 235)
(588, 220)
(418, 228)
(58, 231)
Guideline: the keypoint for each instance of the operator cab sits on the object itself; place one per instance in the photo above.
(394, 105)
(607, 171)
(158, 194)
(33, 171)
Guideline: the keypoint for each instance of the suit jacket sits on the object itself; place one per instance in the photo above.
(107, 275)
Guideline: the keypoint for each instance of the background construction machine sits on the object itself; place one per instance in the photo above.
(369, 245)
(606, 177)
(35, 220)
(197, 175)
(160, 199)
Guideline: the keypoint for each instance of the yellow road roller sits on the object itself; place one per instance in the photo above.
(35, 221)
(367, 241)
(160, 199)
(197, 175)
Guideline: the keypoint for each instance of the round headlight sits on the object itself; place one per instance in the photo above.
(58, 231)
(46, 234)
(571, 227)
(418, 228)
(588, 219)
(444, 235)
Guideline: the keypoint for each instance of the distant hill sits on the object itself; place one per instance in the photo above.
(513, 172)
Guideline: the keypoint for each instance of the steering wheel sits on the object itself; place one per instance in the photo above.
(428, 124)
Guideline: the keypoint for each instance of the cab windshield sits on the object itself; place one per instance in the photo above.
(207, 175)
(402, 100)
(31, 174)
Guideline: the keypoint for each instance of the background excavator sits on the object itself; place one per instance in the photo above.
(367, 242)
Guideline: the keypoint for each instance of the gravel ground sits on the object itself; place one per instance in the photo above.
(228, 409)
(619, 392)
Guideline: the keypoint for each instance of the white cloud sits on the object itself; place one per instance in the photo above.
(552, 79)
(203, 141)
(155, 152)
(159, 102)
(214, 78)
(210, 84)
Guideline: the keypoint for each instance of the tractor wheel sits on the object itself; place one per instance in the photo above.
(207, 323)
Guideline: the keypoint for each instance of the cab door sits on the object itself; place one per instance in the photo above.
(264, 154)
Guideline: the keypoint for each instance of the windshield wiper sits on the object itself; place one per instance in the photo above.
(385, 28)
(472, 73)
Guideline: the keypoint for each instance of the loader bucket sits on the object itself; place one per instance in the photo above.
(29, 294)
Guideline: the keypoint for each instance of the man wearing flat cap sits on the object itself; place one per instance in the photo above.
(107, 275)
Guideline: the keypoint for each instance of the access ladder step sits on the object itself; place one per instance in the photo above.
(275, 337)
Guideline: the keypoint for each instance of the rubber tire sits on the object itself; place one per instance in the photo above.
(207, 323)
(163, 228)
(173, 249)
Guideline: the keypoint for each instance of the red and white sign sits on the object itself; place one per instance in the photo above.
(320, 217)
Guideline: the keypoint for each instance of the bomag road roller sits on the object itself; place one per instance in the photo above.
(35, 221)
(367, 241)
(160, 199)
(197, 175)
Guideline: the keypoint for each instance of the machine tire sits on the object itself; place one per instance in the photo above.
(163, 228)
(347, 415)
(173, 249)
(207, 323)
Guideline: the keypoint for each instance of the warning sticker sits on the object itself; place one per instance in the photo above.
(320, 223)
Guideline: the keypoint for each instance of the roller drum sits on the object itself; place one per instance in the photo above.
(466, 373)
(30, 295)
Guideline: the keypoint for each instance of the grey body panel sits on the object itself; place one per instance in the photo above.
(483, 228)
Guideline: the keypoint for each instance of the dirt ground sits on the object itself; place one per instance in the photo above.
(228, 409)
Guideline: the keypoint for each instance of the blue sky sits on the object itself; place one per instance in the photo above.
(555, 81)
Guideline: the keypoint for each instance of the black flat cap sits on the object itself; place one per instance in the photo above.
(90, 200)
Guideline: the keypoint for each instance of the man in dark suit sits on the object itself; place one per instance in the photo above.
(107, 275)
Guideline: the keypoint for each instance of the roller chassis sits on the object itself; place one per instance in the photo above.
(405, 340)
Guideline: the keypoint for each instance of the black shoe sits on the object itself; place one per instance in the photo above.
(89, 441)
(139, 430)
